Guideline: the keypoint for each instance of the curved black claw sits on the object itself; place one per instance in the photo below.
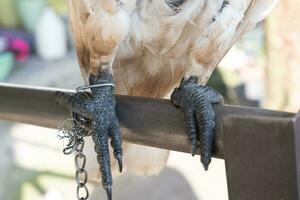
(196, 103)
(120, 162)
(109, 193)
(100, 108)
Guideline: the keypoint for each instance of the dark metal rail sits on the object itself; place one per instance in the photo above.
(151, 122)
(261, 148)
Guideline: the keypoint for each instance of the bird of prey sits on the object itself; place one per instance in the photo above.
(147, 48)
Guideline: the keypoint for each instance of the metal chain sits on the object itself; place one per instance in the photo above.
(75, 136)
(81, 175)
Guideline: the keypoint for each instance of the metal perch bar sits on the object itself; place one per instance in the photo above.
(261, 148)
(151, 122)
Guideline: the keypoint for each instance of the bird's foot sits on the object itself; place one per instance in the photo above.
(100, 109)
(196, 101)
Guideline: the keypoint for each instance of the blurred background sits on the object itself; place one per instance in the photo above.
(36, 48)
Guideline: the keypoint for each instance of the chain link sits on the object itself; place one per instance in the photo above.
(76, 135)
(81, 175)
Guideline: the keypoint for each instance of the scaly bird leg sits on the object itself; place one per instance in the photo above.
(100, 107)
(196, 101)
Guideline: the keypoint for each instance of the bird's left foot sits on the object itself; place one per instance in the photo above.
(99, 107)
(196, 101)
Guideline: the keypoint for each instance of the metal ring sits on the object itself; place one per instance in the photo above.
(79, 146)
(81, 88)
(78, 157)
(69, 150)
(77, 177)
(85, 191)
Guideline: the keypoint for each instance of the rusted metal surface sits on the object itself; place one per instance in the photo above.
(260, 147)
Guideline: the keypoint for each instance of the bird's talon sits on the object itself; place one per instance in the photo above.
(194, 149)
(196, 103)
(205, 162)
(120, 162)
(109, 192)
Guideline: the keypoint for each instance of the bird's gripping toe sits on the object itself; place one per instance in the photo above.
(100, 109)
(196, 101)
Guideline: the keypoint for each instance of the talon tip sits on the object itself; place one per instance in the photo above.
(193, 150)
(205, 167)
(205, 163)
(120, 162)
(109, 192)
